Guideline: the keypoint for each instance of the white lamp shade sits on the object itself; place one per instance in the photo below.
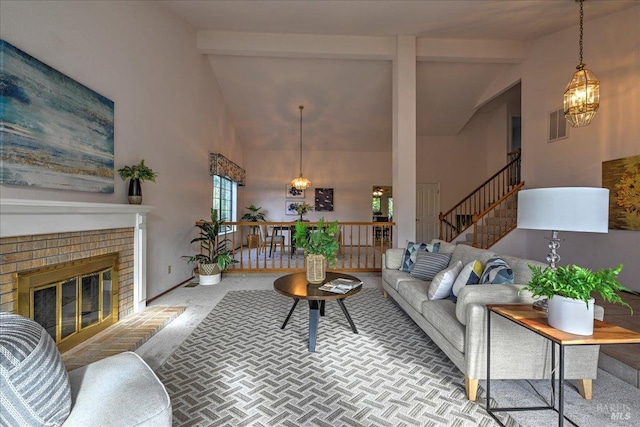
(582, 209)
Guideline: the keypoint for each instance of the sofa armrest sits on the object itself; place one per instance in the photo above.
(489, 294)
(392, 258)
(118, 390)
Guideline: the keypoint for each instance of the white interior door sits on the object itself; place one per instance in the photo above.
(427, 211)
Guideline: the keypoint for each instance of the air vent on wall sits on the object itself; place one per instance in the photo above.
(558, 128)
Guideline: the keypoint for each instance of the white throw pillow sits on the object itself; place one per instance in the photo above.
(441, 285)
(470, 275)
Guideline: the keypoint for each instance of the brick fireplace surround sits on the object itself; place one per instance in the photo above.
(39, 233)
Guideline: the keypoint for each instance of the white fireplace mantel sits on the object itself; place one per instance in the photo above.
(20, 217)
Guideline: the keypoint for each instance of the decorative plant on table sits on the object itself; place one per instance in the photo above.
(575, 284)
(320, 246)
(214, 256)
(254, 215)
(137, 174)
(301, 208)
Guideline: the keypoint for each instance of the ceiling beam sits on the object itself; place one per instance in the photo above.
(357, 47)
(295, 45)
(486, 51)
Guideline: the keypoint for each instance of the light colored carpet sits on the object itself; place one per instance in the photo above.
(614, 402)
(239, 368)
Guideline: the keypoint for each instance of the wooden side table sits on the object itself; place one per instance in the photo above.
(536, 321)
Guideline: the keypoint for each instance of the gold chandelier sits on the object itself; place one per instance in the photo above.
(300, 183)
(582, 95)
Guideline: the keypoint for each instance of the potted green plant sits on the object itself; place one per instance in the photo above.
(570, 292)
(214, 256)
(254, 215)
(301, 208)
(320, 247)
(137, 174)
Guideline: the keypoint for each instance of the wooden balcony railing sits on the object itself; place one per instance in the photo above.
(361, 247)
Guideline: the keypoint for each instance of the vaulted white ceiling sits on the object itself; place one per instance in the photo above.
(348, 101)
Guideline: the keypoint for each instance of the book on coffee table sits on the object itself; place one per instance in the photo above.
(340, 286)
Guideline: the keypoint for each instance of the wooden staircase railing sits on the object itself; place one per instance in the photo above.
(495, 198)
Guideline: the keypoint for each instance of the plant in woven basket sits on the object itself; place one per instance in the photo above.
(322, 240)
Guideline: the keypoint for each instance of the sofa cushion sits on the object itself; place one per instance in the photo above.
(442, 283)
(497, 271)
(414, 292)
(393, 277)
(470, 275)
(411, 253)
(35, 387)
(444, 247)
(466, 254)
(442, 314)
(393, 258)
(428, 264)
(521, 273)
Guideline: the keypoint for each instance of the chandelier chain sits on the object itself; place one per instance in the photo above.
(581, 19)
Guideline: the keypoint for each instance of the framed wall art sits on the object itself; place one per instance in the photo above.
(55, 132)
(293, 193)
(622, 178)
(290, 207)
(324, 199)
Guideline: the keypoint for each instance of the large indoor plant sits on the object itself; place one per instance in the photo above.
(214, 256)
(137, 174)
(254, 215)
(320, 246)
(570, 292)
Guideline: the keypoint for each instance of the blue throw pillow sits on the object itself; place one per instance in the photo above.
(470, 275)
(411, 253)
(498, 272)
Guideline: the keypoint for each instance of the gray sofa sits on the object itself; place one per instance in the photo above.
(459, 328)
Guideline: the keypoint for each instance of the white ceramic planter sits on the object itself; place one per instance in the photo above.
(570, 315)
(212, 279)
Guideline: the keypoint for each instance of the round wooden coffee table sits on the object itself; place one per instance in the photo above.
(296, 286)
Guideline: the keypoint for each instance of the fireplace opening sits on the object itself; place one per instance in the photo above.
(72, 301)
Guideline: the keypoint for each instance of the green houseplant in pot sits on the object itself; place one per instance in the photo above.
(137, 174)
(320, 246)
(214, 256)
(570, 292)
(254, 215)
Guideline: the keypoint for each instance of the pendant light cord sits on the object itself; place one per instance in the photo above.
(301, 107)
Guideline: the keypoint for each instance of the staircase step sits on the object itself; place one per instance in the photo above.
(492, 220)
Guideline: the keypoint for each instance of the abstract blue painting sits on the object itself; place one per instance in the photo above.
(54, 132)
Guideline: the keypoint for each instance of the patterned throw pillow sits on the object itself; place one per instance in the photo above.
(441, 285)
(498, 272)
(35, 386)
(411, 252)
(470, 275)
(429, 264)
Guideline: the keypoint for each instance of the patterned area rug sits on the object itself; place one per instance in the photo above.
(238, 368)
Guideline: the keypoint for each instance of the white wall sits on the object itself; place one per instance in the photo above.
(351, 175)
(461, 163)
(611, 52)
(168, 109)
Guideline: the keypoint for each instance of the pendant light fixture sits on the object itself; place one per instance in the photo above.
(301, 183)
(582, 95)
